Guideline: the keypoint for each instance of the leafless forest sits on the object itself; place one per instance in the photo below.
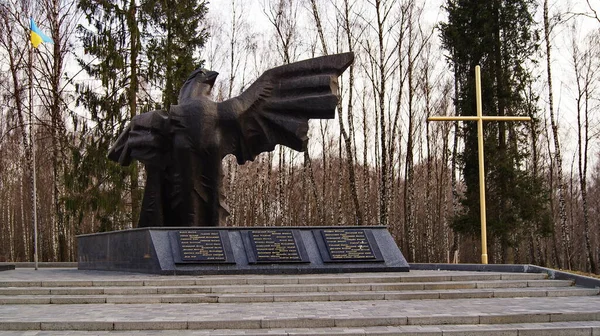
(378, 163)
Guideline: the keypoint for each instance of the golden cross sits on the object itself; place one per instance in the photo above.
(480, 119)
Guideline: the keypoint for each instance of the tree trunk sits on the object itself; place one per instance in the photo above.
(132, 96)
(562, 213)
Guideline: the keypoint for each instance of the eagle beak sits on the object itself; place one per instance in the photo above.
(211, 77)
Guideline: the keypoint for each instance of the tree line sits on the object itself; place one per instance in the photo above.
(378, 163)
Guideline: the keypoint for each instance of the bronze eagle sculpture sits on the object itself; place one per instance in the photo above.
(182, 148)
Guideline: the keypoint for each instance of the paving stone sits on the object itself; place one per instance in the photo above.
(356, 296)
(399, 286)
(450, 285)
(24, 291)
(221, 281)
(301, 322)
(573, 292)
(130, 290)
(182, 290)
(244, 298)
(301, 297)
(443, 319)
(150, 325)
(325, 331)
(189, 299)
(523, 276)
(502, 284)
(560, 331)
(25, 300)
(424, 278)
(370, 322)
(65, 299)
(514, 318)
(503, 293)
(414, 295)
(77, 325)
(67, 283)
(78, 291)
(237, 289)
(575, 316)
(19, 325)
(226, 324)
(117, 283)
(466, 294)
(405, 330)
(344, 288)
(325, 280)
(481, 331)
(292, 288)
(133, 299)
(163, 282)
(20, 283)
(549, 283)
(388, 279)
(272, 281)
(476, 277)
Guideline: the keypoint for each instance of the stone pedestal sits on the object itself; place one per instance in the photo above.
(7, 267)
(255, 250)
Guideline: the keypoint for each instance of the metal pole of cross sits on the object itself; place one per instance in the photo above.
(480, 118)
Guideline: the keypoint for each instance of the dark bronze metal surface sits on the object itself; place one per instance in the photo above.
(182, 148)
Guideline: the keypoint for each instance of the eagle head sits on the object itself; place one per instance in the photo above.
(199, 83)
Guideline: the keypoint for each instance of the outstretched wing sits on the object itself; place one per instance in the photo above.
(276, 108)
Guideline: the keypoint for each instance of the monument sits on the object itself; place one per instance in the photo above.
(180, 230)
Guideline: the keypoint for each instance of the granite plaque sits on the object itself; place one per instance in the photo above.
(201, 246)
(275, 246)
(349, 245)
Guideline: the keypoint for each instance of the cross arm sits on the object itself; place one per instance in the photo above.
(475, 118)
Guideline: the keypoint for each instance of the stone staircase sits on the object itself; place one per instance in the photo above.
(71, 302)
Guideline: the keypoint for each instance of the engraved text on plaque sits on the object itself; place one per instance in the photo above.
(201, 246)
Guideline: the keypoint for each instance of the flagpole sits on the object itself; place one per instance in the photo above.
(33, 173)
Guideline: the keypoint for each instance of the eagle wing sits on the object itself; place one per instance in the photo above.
(145, 138)
(276, 108)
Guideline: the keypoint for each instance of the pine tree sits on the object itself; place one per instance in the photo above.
(499, 36)
(174, 39)
(130, 46)
(111, 40)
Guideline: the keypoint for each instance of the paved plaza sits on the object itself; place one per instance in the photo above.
(466, 302)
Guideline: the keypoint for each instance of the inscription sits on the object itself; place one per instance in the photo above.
(200, 245)
(275, 245)
(347, 244)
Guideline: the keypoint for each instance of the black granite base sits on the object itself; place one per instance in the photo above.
(7, 267)
(256, 250)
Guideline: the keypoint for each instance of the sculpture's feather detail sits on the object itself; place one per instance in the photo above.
(146, 139)
(276, 108)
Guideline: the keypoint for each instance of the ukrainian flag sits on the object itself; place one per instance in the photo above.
(37, 37)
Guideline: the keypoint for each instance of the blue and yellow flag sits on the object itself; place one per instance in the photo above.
(37, 37)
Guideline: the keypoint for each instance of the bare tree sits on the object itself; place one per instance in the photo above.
(586, 68)
(566, 239)
(15, 46)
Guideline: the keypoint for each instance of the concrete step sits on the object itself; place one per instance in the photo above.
(301, 297)
(69, 302)
(343, 287)
(278, 280)
(576, 328)
(299, 315)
